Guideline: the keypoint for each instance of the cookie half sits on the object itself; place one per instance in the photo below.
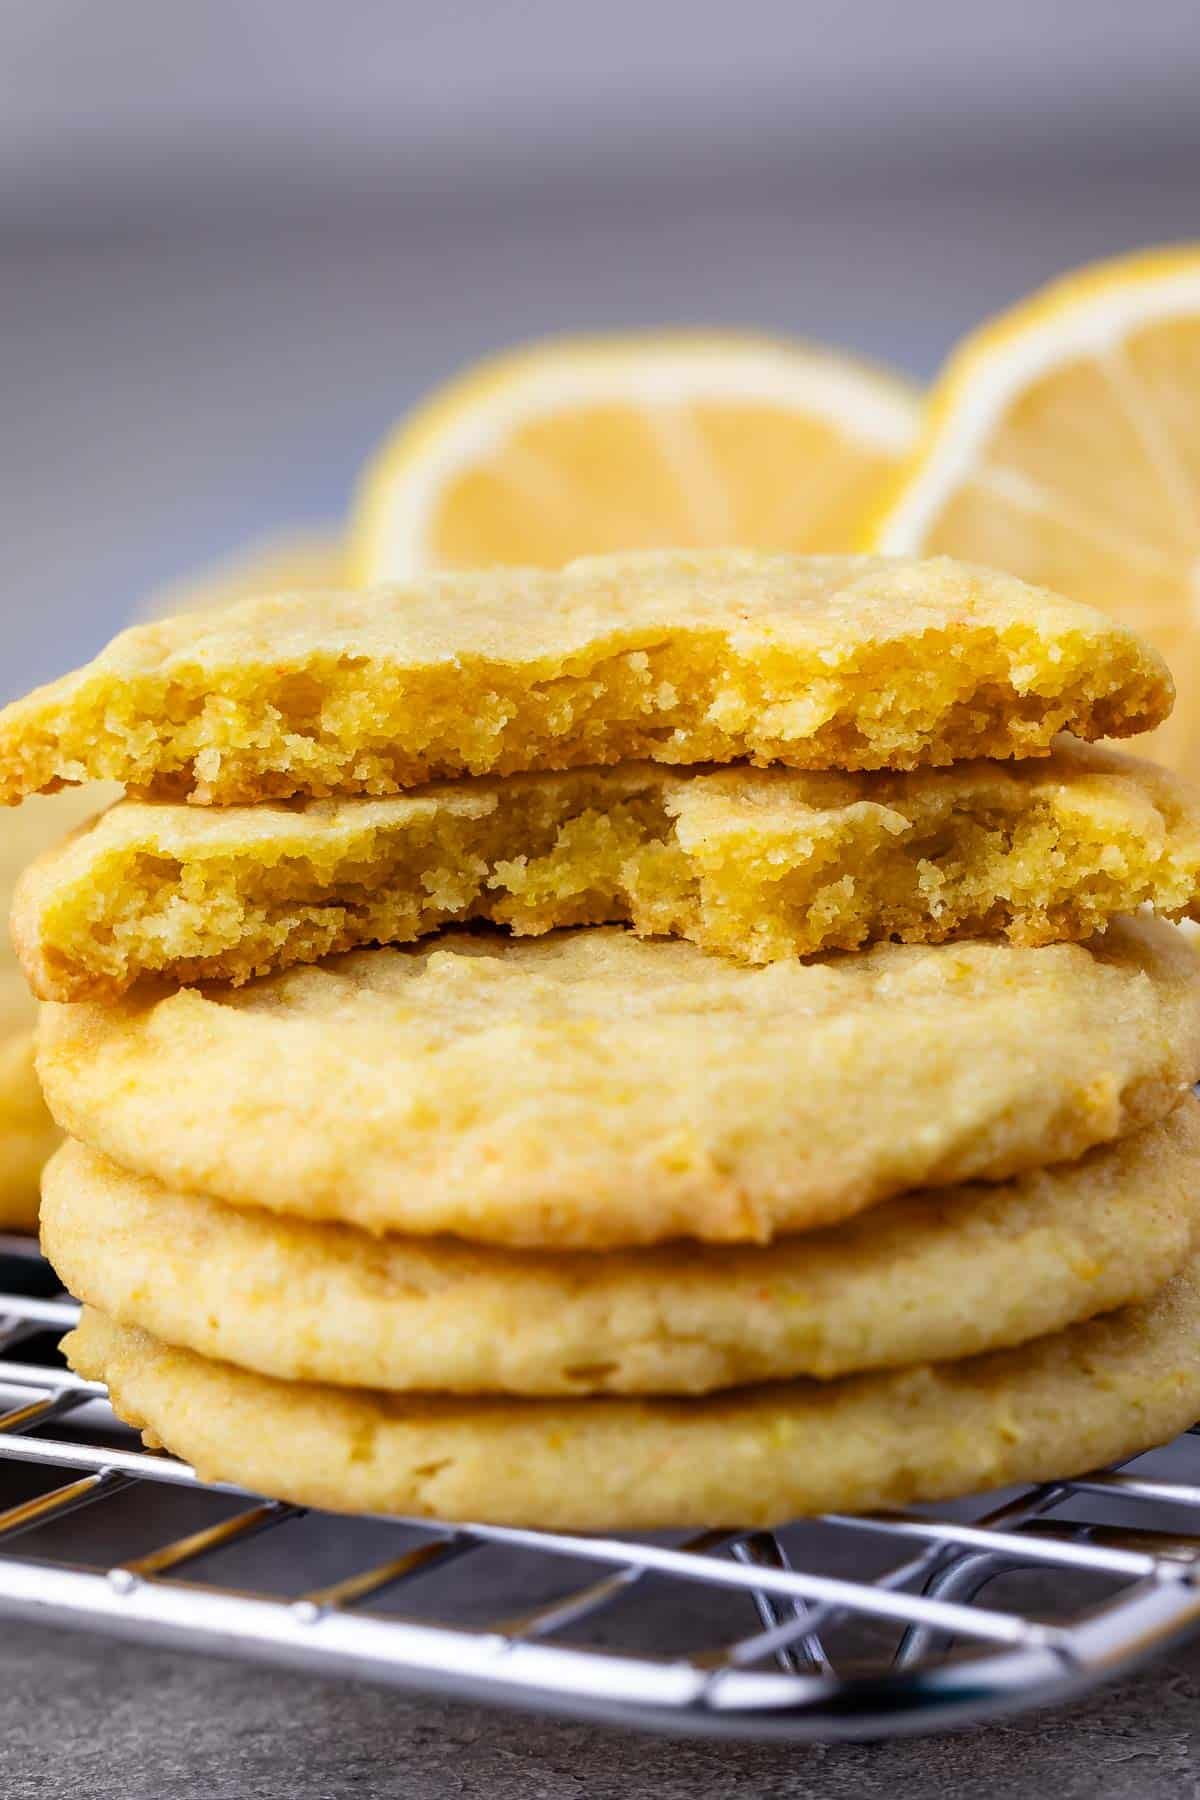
(1094, 1394)
(826, 662)
(756, 865)
(927, 1277)
(591, 1090)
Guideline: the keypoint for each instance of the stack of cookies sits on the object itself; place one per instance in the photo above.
(683, 1040)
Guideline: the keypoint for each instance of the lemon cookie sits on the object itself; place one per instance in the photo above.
(1094, 1394)
(28, 1134)
(753, 864)
(927, 1277)
(589, 1089)
(818, 662)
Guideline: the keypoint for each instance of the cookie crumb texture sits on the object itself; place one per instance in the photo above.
(752, 865)
(1094, 1394)
(818, 663)
(589, 1089)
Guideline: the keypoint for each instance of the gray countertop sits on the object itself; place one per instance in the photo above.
(83, 1716)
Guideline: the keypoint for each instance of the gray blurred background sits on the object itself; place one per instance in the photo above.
(238, 237)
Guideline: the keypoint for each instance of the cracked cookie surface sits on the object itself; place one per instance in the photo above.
(589, 1089)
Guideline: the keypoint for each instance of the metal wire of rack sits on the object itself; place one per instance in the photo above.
(842, 1627)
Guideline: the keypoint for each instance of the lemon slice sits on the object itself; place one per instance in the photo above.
(581, 446)
(302, 559)
(1063, 445)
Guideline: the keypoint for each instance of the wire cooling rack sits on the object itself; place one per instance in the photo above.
(840, 1627)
